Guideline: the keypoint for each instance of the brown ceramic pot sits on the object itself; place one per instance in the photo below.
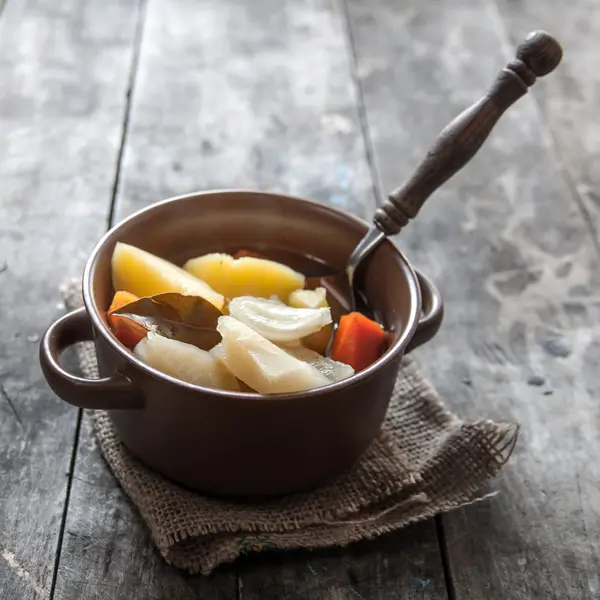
(233, 443)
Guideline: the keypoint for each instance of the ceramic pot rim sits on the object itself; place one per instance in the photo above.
(390, 355)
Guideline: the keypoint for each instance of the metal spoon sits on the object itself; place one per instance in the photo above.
(538, 55)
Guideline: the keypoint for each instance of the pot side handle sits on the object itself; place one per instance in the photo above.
(107, 393)
(432, 313)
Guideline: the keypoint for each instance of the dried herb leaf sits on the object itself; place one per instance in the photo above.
(189, 319)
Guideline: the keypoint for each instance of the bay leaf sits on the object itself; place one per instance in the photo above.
(181, 317)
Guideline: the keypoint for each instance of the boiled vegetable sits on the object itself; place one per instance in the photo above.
(189, 319)
(245, 276)
(219, 352)
(316, 298)
(145, 274)
(276, 321)
(120, 299)
(332, 369)
(186, 362)
(261, 364)
(358, 341)
(128, 332)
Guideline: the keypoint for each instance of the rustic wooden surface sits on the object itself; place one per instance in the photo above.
(517, 266)
(64, 69)
(107, 106)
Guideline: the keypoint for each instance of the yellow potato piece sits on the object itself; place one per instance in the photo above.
(245, 276)
(144, 274)
(186, 362)
(319, 340)
(316, 298)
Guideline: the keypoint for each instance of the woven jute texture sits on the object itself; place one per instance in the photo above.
(426, 461)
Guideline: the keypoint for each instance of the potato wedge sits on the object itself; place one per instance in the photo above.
(245, 276)
(144, 274)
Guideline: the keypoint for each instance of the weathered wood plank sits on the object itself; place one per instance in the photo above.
(64, 69)
(112, 536)
(254, 95)
(511, 252)
(405, 564)
(261, 97)
(570, 98)
(107, 551)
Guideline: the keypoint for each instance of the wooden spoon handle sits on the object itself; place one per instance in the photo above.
(459, 141)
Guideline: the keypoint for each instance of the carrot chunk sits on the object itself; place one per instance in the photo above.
(358, 341)
(128, 332)
(121, 298)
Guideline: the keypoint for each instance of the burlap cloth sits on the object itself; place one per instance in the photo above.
(426, 461)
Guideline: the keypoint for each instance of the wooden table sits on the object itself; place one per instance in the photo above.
(109, 105)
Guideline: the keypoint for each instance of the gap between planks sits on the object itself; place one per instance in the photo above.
(554, 151)
(360, 101)
(378, 194)
(137, 42)
(135, 62)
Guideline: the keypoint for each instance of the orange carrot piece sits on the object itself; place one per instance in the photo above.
(358, 341)
(120, 299)
(128, 332)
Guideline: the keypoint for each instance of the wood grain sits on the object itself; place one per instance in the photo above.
(259, 96)
(107, 551)
(508, 245)
(262, 98)
(570, 100)
(64, 71)
(406, 563)
(537, 55)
